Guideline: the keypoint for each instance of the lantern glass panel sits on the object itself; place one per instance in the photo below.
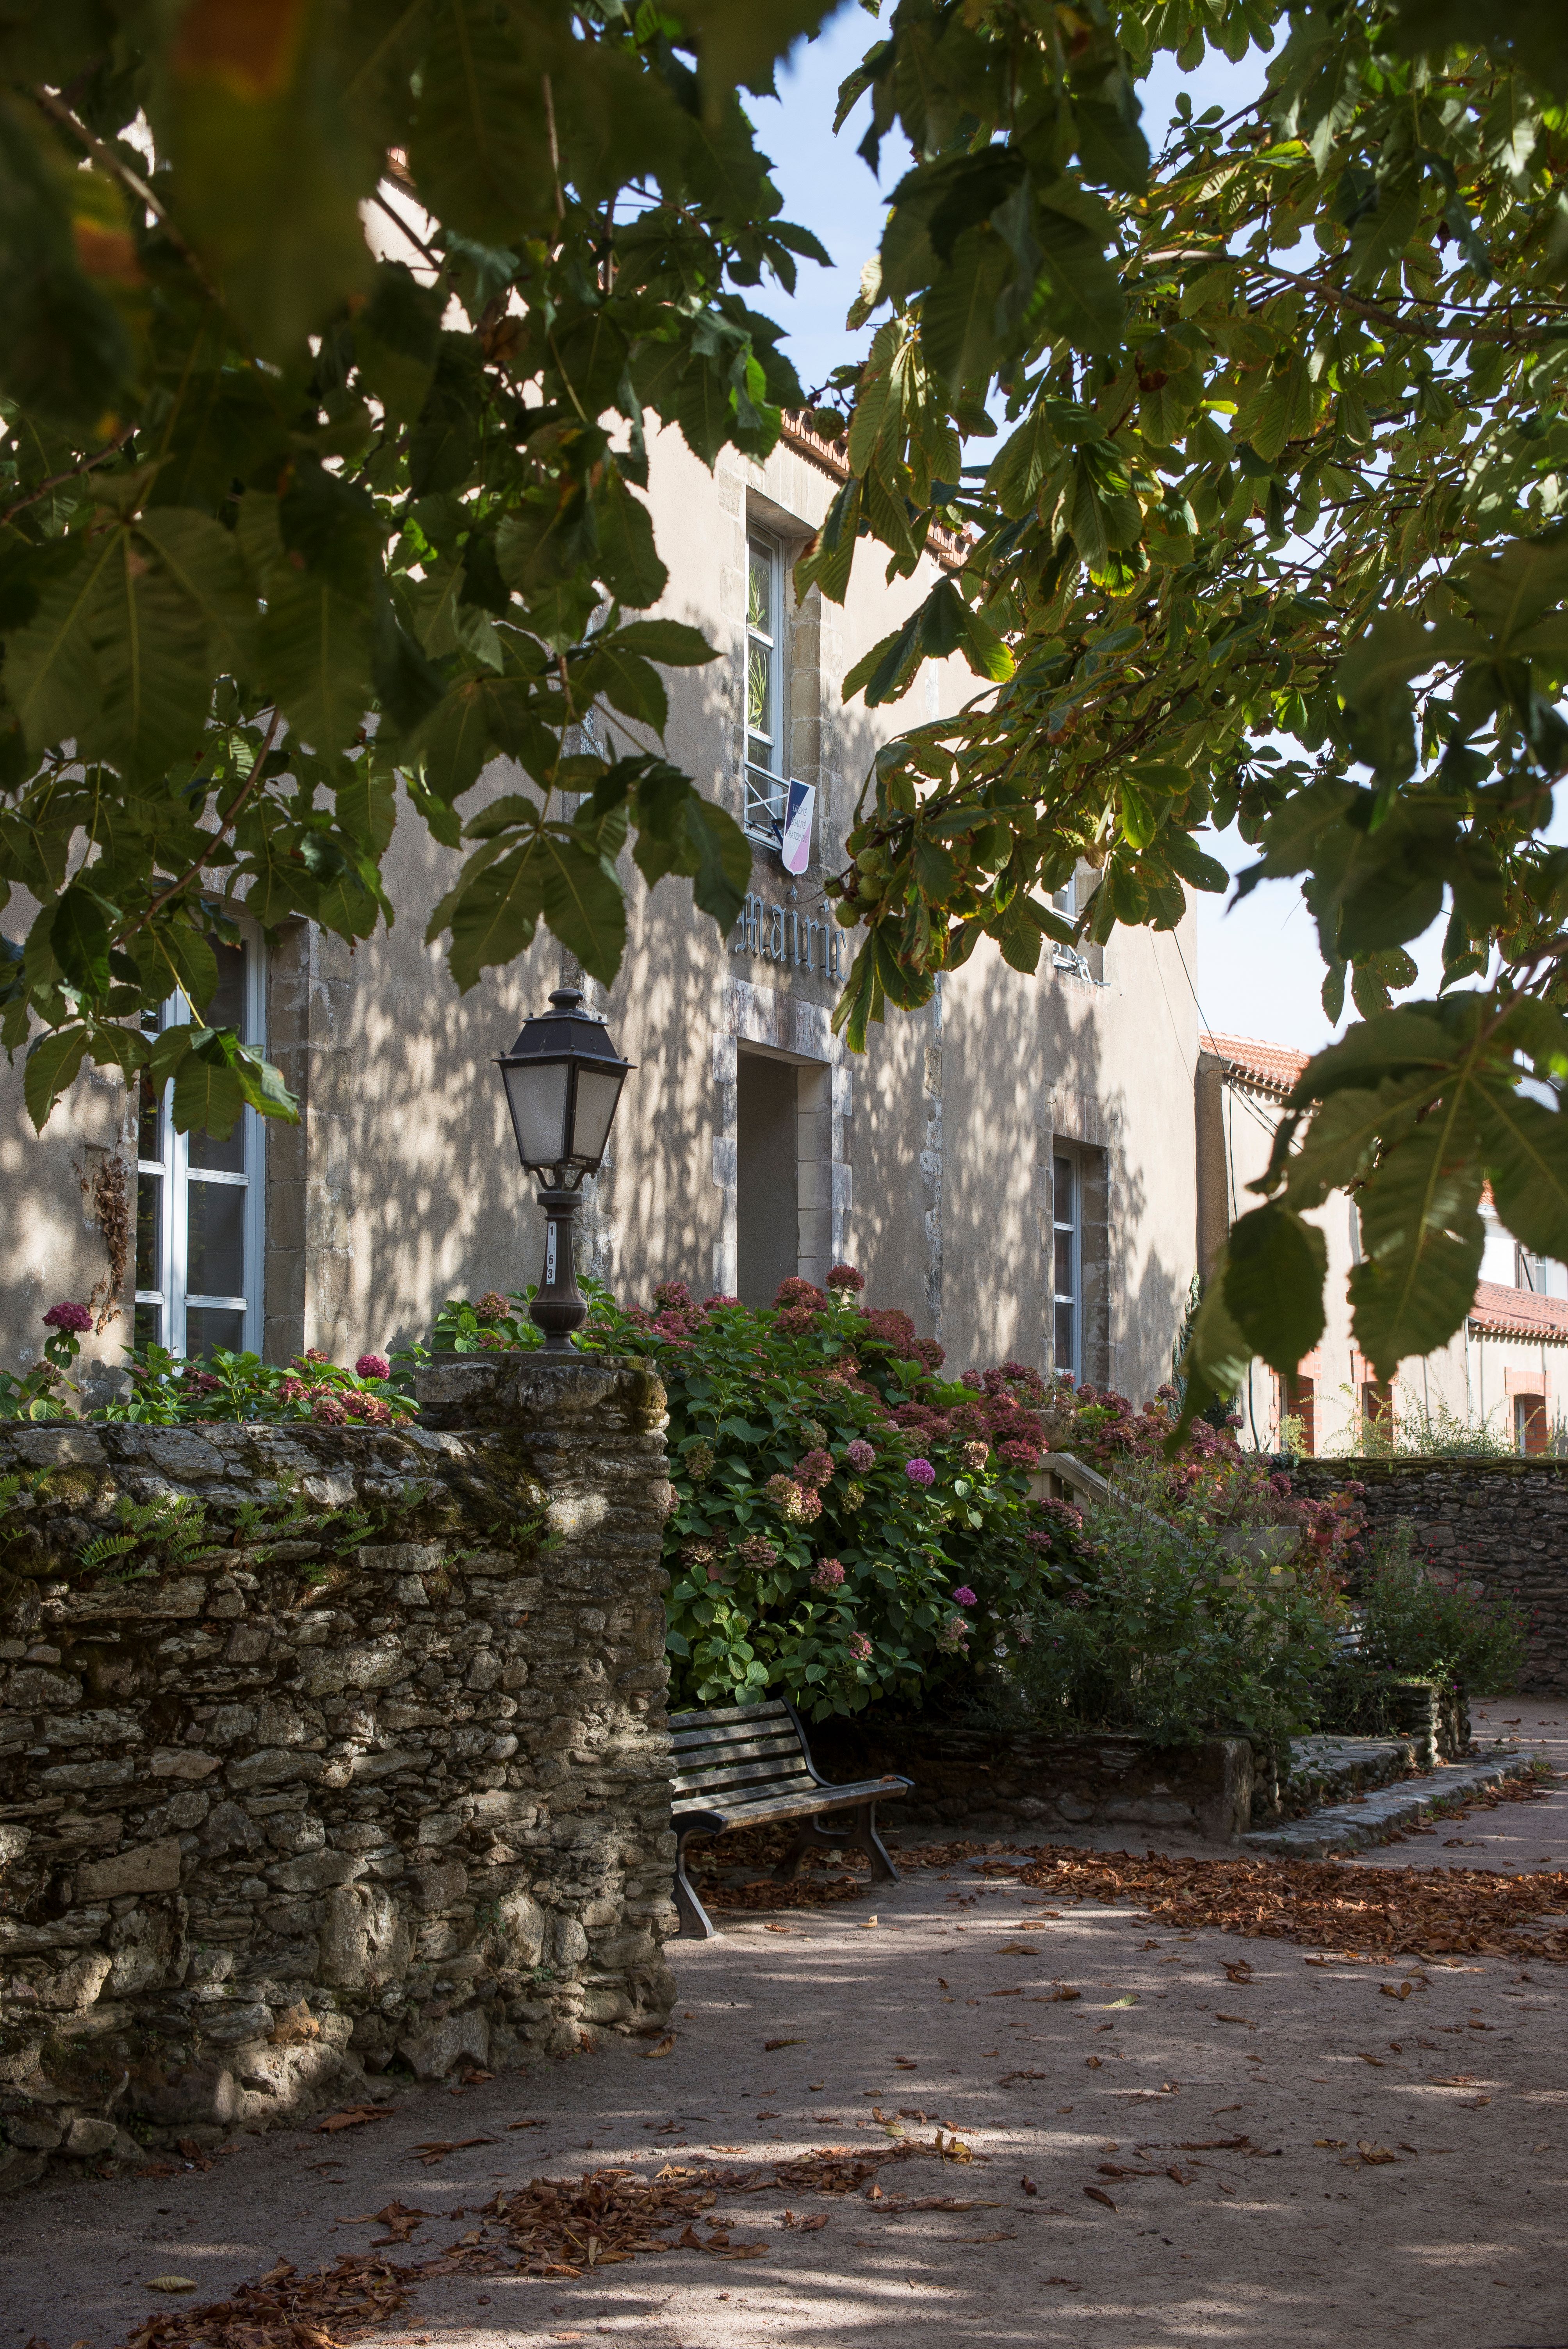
(598, 1090)
(536, 1092)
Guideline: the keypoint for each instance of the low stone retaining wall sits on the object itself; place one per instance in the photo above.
(986, 1784)
(1503, 1522)
(350, 1751)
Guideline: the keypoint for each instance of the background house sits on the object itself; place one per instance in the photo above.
(1012, 1165)
(1507, 1369)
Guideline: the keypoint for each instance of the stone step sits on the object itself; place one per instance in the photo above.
(1355, 1826)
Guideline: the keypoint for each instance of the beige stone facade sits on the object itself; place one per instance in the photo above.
(1506, 1371)
(749, 1143)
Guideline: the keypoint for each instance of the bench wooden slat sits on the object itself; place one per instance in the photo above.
(764, 1773)
(741, 1813)
(722, 1716)
(747, 1733)
(741, 1749)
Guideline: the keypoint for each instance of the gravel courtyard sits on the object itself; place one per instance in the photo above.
(1218, 2140)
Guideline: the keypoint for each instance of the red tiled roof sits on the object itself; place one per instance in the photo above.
(1499, 1312)
(1273, 1068)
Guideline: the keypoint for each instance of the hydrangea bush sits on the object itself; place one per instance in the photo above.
(167, 1391)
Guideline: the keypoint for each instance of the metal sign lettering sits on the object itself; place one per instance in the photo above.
(784, 934)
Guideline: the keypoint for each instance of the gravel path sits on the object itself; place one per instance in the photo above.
(1135, 2229)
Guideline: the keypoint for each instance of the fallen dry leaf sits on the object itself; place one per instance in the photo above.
(1374, 2154)
(1098, 2194)
(1396, 1989)
(400, 2219)
(807, 2226)
(518, 2124)
(1093, 2062)
(651, 2055)
(435, 2150)
(353, 2117)
(170, 2283)
(770, 2044)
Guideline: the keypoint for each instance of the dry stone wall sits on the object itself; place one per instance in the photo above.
(351, 1753)
(1502, 1522)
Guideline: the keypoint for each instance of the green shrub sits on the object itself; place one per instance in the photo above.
(1155, 1626)
(1424, 1623)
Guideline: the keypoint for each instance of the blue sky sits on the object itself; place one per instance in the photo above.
(1259, 971)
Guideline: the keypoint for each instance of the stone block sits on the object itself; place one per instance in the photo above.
(34, 2132)
(53, 1447)
(433, 2051)
(272, 1766)
(181, 1762)
(364, 1938)
(314, 1871)
(31, 1689)
(180, 1452)
(145, 1867)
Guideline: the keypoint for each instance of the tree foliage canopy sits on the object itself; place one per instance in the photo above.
(1271, 529)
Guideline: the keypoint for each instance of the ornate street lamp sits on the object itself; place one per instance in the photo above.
(562, 1080)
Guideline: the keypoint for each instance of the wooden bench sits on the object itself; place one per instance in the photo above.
(744, 1765)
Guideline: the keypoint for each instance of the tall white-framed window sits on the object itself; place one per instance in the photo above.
(199, 1202)
(767, 746)
(1067, 1263)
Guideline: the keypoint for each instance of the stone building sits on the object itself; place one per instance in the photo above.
(1013, 1166)
(1506, 1369)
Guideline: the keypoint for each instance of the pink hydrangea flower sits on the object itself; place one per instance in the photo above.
(815, 1469)
(920, 1471)
(327, 1409)
(845, 1277)
(828, 1575)
(964, 1596)
(373, 1366)
(860, 1456)
(860, 1648)
(1018, 1455)
(718, 1298)
(67, 1315)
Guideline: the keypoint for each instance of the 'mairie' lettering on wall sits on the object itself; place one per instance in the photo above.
(786, 935)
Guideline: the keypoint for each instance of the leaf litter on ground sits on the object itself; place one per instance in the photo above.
(560, 2228)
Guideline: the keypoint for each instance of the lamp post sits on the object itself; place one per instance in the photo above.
(563, 1079)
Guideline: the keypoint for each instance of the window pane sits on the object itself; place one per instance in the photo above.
(227, 1008)
(149, 1238)
(1064, 1265)
(1062, 1185)
(208, 1327)
(760, 696)
(759, 590)
(149, 1140)
(215, 1257)
(1065, 1352)
(149, 1325)
(228, 1155)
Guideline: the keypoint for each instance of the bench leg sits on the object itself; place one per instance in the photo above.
(864, 1837)
(695, 1924)
(860, 1834)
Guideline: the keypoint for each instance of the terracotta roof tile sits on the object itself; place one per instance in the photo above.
(1274, 1067)
(1499, 1312)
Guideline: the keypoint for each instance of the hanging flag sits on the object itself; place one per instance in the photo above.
(795, 843)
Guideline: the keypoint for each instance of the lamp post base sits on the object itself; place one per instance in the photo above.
(558, 1306)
